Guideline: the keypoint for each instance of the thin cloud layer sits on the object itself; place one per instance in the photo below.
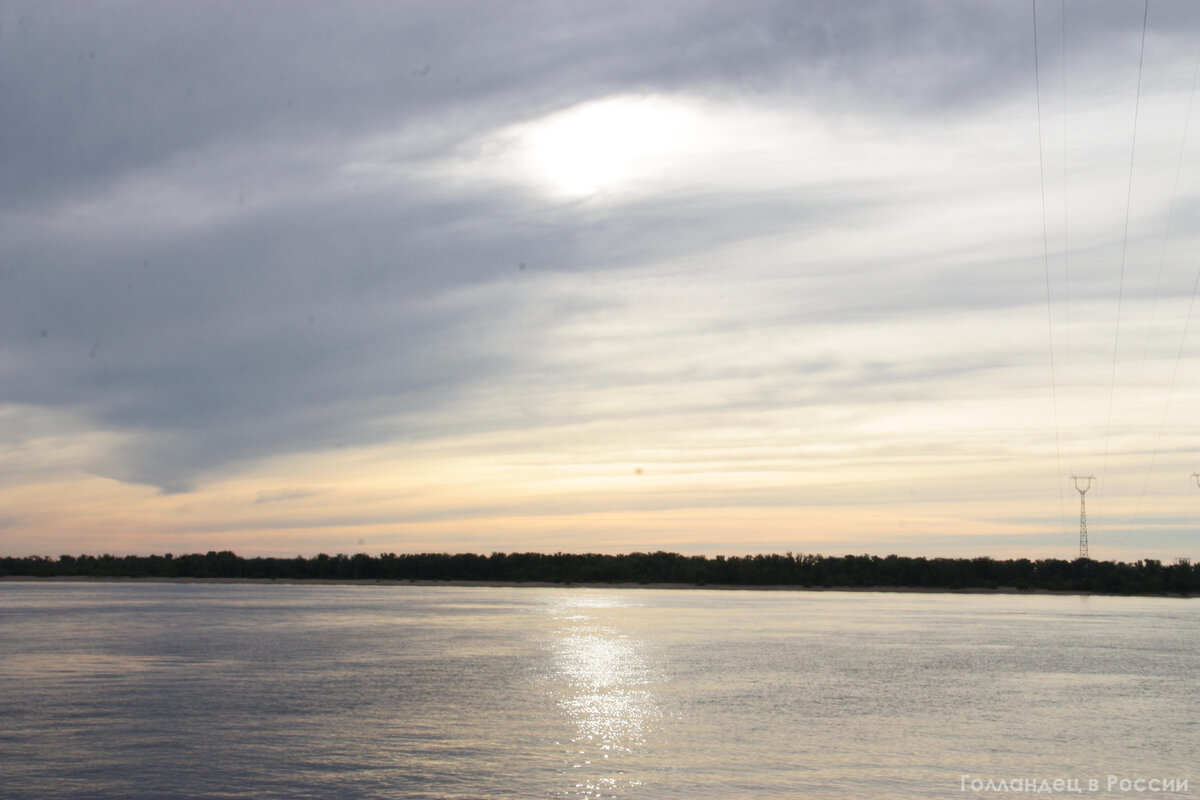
(494, 278)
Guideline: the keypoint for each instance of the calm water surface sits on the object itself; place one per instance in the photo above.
(231, 691)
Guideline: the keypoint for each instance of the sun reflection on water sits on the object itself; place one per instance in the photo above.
(603, 678)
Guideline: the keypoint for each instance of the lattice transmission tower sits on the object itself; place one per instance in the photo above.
(1075, 479)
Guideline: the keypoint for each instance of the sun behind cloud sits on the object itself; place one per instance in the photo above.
(608, 144)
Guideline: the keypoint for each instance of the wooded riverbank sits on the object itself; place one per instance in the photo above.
(804, 571)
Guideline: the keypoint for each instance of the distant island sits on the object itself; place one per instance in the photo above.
(1146, 577)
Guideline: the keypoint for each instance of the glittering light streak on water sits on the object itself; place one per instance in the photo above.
(603, 687)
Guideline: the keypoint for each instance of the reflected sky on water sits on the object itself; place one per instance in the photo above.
(240, 691)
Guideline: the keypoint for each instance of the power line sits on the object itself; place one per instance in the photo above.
(1112, 386)
(1046, 265)
(1066, 232)
(1195, 285)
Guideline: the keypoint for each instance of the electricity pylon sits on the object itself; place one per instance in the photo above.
(1075, 479)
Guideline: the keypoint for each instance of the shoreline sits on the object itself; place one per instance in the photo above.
(367, 582)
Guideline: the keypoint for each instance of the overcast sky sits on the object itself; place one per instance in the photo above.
(286, 278)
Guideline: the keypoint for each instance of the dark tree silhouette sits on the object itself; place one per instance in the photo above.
(1148, 576)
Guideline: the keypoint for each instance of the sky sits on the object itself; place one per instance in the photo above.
(295, 277)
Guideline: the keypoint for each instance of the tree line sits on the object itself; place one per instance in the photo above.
(1148, 576)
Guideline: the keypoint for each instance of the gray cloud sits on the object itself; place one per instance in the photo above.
(92, 90)
(189, 265)
(283, 495)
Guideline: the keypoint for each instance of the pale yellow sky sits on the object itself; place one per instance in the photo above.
(716, 295)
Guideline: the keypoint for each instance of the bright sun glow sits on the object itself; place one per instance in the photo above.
(606, 145)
